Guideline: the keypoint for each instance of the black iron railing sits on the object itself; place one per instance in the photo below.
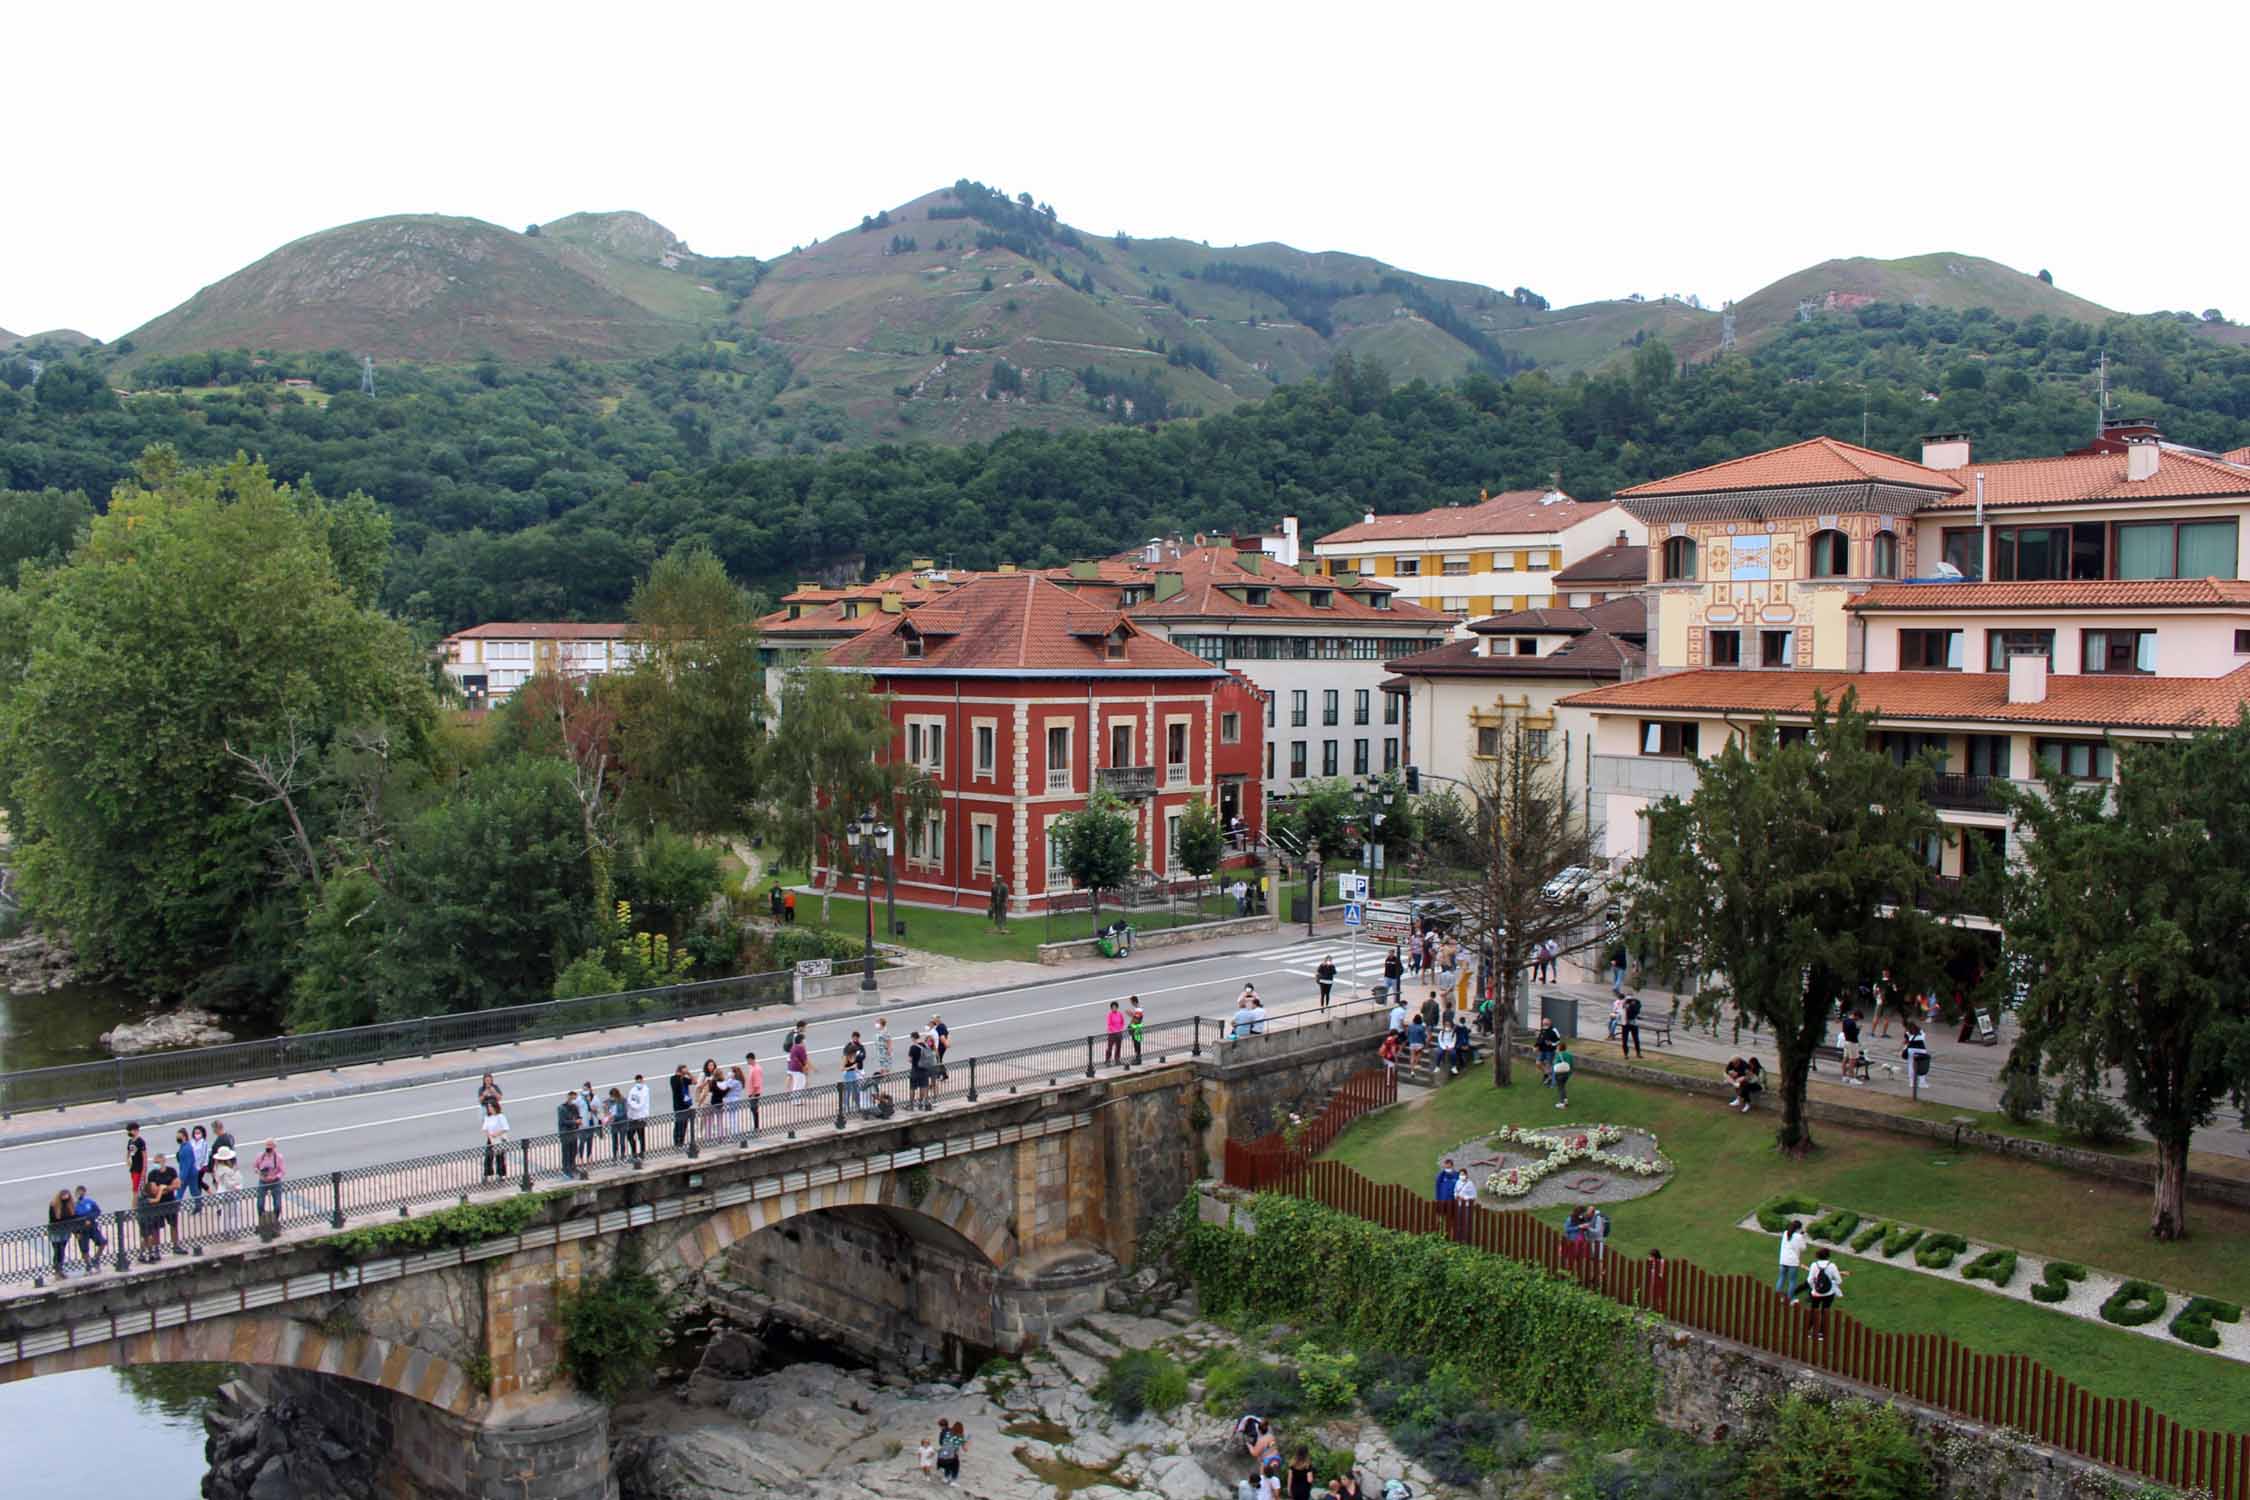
(278, 1057)
(120, 1240)
(1967, 793)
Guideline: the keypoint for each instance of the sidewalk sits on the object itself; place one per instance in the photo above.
(953, 980)
(1964, 1076)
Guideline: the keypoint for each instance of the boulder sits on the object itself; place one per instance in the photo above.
(1179, 1477)
(185, 1027)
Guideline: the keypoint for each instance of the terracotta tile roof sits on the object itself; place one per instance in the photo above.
(1010, 622)
(1619, 562)
(825, 622)
(1208, 572)
(1515, 512)
(1597, 655)
(2239, 456)
(546, 630)
(2179, 474)
(2072, 698)
(1618, 616)
(2167, 593)
(1820, 460)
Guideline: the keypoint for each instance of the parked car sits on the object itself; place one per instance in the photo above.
(1569, 885)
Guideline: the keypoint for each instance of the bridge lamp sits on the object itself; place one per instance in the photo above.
(872, 837)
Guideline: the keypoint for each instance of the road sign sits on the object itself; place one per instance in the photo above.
(1354, 914)
(1352, 887)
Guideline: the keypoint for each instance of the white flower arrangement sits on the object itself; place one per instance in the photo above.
(1563, 1150)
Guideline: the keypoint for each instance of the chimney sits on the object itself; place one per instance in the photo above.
(1622, 540)
(2140, 459)
(1250, 562)
(893, 603)
(1168, 584)
(1369, 520)
(1007, 567)
(924, 564)
(1945, 450)
(1085, 570)
(1289, 541)
(2027, 677)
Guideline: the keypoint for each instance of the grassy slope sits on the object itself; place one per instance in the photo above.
(1728, 1164)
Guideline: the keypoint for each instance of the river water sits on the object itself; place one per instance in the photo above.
(66, 1025)
(136, 1432)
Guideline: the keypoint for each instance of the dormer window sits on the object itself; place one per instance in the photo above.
(1323, 599)
(1499, 645)
(912, 644)
(1380, 601)
(1113, 646)
(1256, 596)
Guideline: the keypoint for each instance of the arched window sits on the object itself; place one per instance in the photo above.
(1679, 558)
(1831, 555)
(1882, 555)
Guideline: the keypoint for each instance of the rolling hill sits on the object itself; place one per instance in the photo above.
(428, 287)
(965, 313)
(58, 338)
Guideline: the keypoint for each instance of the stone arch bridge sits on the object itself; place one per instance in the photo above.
(936, 1237)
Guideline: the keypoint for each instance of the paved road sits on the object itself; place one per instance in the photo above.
(386, 1123)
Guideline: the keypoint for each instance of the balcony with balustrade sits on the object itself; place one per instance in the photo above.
(1127, 781)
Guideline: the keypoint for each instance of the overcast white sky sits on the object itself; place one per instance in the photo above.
(1585, 151)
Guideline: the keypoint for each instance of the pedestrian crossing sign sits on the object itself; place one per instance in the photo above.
(1355, 915)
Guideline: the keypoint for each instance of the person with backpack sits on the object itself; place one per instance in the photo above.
(1561, 1065)
(1916, 1051)
(1544, 1044)
(568, 1119)
(1136, 1026)
(1251, 1430)
(918, 1061)
(1629, 1028)
(1793, 1247)
(1824, 1283)
(1394, 971)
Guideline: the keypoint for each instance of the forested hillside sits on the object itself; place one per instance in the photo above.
(547, 492)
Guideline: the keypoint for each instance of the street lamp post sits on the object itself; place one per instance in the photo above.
(872, 837)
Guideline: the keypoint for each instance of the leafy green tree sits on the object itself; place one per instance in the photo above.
(73, 388)
(1202, 843)
(670, 878)
(825, 764)
(1791, 874)
(210, 613)
(485, 893)
(692, 714)
(1099, 845)
(39, 526)
(2125, 909)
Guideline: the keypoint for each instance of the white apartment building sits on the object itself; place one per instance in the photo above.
(488, 662)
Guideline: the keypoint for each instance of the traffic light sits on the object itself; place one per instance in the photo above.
(1413, 781)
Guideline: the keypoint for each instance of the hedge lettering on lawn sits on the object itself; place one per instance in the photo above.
(2054, 1283)
(1537, 1342)
(1995, 1266)
(1835, 1227)
(1775, 1213)
(1936, 1251)
(1899, 1241)
(2193, 1325)
(2134, 1303)
(1870, 1235)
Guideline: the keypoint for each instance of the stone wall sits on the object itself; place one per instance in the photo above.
(1710, 1389)
(895, 1295)
(1253, 1086)
(1163, 937)
(550, 1448)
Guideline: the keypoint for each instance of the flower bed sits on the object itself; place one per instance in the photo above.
(1568, 1147)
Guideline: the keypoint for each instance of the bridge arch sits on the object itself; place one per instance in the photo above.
(279, 1341)
(692, 1246)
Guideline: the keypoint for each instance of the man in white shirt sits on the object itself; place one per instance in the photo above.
(636, 1118)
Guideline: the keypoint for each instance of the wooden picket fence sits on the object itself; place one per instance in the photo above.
(1998, 1390)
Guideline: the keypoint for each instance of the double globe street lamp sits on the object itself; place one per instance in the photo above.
(872, 837)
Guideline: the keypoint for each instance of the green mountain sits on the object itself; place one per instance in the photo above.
(428, 287)
(54, 338)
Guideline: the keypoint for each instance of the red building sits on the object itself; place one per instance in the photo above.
(1018, 697)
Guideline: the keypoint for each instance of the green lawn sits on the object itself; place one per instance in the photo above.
(966, 933)
(1728, 1164)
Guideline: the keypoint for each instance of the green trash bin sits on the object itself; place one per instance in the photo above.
(1108, 946)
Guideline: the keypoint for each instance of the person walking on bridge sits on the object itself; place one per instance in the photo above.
(636, 1118)
(754, 1078)
(495, 1126)
(1136, 1026)
(883, 1063)
(136, 1156)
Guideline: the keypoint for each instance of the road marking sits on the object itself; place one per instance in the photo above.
(471, 1110)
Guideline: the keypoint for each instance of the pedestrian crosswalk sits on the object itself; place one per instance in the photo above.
(1304, 958)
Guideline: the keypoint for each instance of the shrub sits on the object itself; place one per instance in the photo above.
(1142, 1380)
(1995, 1266)
(1328, 1380)
(1775, 1213)
(2054, 1282)
(613, 1327)
(2193, 1325)
(1510, 1328)
(468, 1224)
(1836, 1227)
(2134, 1303)
(1841, 1450)
(792, 944)
(1900, 1240)
(1233, 1383)
(1870, 1235)
(1665, 1466)
(2085, 1115)
(2023, 1098)
(1936, 1251)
